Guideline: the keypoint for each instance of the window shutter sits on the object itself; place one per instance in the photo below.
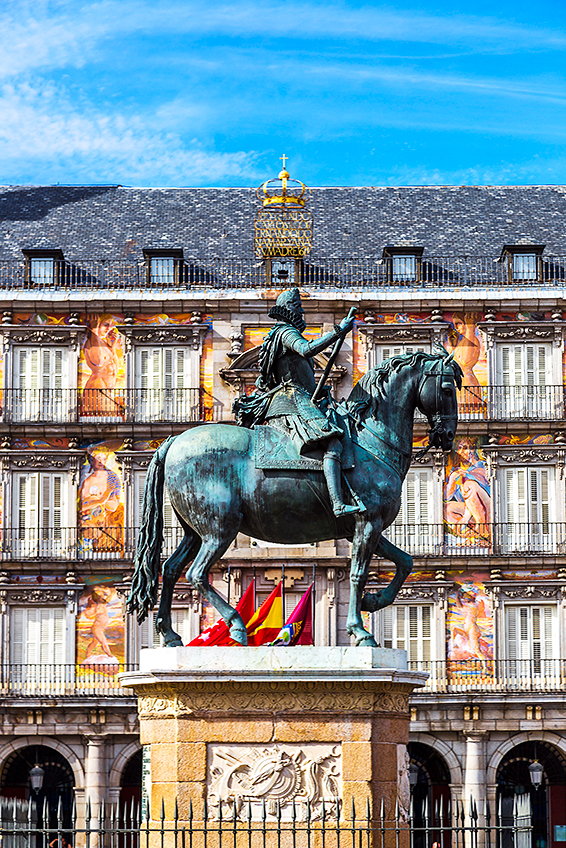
(387, 626)
(181, 623)
(408, 627)
(542, 358)
(413, 634)
(17, 640)
(511, 620)
(399, 614)
(168, 369)
(505, 365)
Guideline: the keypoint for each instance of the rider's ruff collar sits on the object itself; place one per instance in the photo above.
(283, 313)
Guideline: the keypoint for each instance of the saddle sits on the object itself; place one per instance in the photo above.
(274, 450)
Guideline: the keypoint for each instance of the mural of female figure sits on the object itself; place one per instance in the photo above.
(96, 610)
(102, 352)
(466, 348)
(102, 511)
(466, 638)
(467, 494)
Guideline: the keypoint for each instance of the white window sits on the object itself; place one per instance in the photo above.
(180, 621)
(40, 384)
(413, 530)
(403, 268)
(37, 649)
(162, 270)
(172, 530)
(408, 627)
(524, 266)
(380, 353)
(523, 381)
(283, 271)
(42, 271)
(40, 519)
(165, 385)
(531, 641)
(527, 510)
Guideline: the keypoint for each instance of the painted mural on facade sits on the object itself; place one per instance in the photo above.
(101, 501)
(469, 628)
(467, 496)
(100, 629)
(102, 368)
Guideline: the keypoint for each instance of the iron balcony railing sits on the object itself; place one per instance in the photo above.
(526, 538)
(421, 540)
(55, 680)
(508, 403)
(446, 272)
(108, 405)
(488, 675)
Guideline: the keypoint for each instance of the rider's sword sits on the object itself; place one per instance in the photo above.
(331, 359)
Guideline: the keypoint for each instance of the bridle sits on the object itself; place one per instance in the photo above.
(435, 370)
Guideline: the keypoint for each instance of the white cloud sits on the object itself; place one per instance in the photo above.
(42, 133)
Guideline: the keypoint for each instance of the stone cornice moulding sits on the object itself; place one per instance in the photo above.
(22, 593)
(164, 334)
(521, 454)
(520, 331)
(50, 334)
(373, 334)
(46, 460)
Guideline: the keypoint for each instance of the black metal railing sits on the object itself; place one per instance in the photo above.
(446, 272)
(527, 538)
(55, 680)
(300, 824)
(508, 403)
(421, 540)
(108, 405)
(488, 675)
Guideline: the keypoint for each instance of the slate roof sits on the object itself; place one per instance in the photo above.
(112, 222)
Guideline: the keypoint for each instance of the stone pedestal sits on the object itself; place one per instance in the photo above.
(268, 731)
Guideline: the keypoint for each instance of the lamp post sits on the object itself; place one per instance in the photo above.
(536, 772)
(36, 776)
(413, 775)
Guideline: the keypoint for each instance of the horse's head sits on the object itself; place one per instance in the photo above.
(436, 398)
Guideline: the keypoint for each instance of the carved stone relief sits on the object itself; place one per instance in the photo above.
(242, 778)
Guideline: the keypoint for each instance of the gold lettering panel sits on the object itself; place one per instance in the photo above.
(283, 233)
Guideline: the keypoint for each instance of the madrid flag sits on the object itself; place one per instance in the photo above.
(298, 627)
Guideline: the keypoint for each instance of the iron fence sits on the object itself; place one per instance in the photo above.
(64, 405)
(504, 538)
(509, 403)
(446, 272)
(489, 675)
(24, 825)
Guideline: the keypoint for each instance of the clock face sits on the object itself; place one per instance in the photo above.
(282, 270)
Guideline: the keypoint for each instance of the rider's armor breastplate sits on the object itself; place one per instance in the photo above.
(296, 374)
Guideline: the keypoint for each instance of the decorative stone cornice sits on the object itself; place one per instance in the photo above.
(374, 334)
(521, 331)
(60, 460)
(60, 334)
(164, 334)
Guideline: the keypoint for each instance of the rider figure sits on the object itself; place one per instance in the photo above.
(285, 387)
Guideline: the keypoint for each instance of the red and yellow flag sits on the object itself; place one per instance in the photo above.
(219, 633)
(267, 621)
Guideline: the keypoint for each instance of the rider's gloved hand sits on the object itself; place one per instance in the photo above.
(346, 324)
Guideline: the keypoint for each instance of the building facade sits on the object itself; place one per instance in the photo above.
(130, 314)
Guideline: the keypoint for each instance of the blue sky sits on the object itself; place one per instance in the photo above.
(176, 92)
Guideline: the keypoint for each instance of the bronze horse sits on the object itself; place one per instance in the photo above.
(217, 492)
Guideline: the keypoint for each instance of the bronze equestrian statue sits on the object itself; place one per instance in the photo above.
(281, 481)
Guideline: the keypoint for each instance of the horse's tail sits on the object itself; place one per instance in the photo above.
(147, 562)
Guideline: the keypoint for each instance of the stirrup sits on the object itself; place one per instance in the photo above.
(341, 509)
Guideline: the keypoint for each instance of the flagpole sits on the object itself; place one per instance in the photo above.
(313, 595)
(283, 590)
(228, 578)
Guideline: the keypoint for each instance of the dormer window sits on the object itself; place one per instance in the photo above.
(404, 263)
(523, 261)
(43, 266)
(164, 266)
(282, 271)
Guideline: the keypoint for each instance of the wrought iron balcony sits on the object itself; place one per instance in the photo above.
(83, 543)
(56, 680)
(63, 405)
(511, 403)
(487, 675)
(443, 272)
(527, 538)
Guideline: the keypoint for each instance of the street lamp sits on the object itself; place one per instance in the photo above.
(536, 772)
(36, 776)
(413, 775)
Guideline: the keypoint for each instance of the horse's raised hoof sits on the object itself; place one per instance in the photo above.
(371, 602)
(174, 643)
(366, 641)
(239, 634)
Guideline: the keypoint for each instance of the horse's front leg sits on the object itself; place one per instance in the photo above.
(172, 570)
(365, 539)
(374, 601)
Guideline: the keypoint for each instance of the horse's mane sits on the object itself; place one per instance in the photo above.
(370, 389)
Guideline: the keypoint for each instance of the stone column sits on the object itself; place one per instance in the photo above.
(95, 786)
(270, 729)
(475, 777)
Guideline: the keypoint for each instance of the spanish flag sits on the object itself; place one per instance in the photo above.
(267, 621)
(297, 630)
(219, 633)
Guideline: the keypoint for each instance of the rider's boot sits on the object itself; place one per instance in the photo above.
(332, 471)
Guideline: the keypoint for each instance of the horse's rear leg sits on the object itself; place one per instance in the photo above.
(374, 601)
(197, 575)
(172, 570)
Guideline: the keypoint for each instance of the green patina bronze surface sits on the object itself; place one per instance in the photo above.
(217, 491)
